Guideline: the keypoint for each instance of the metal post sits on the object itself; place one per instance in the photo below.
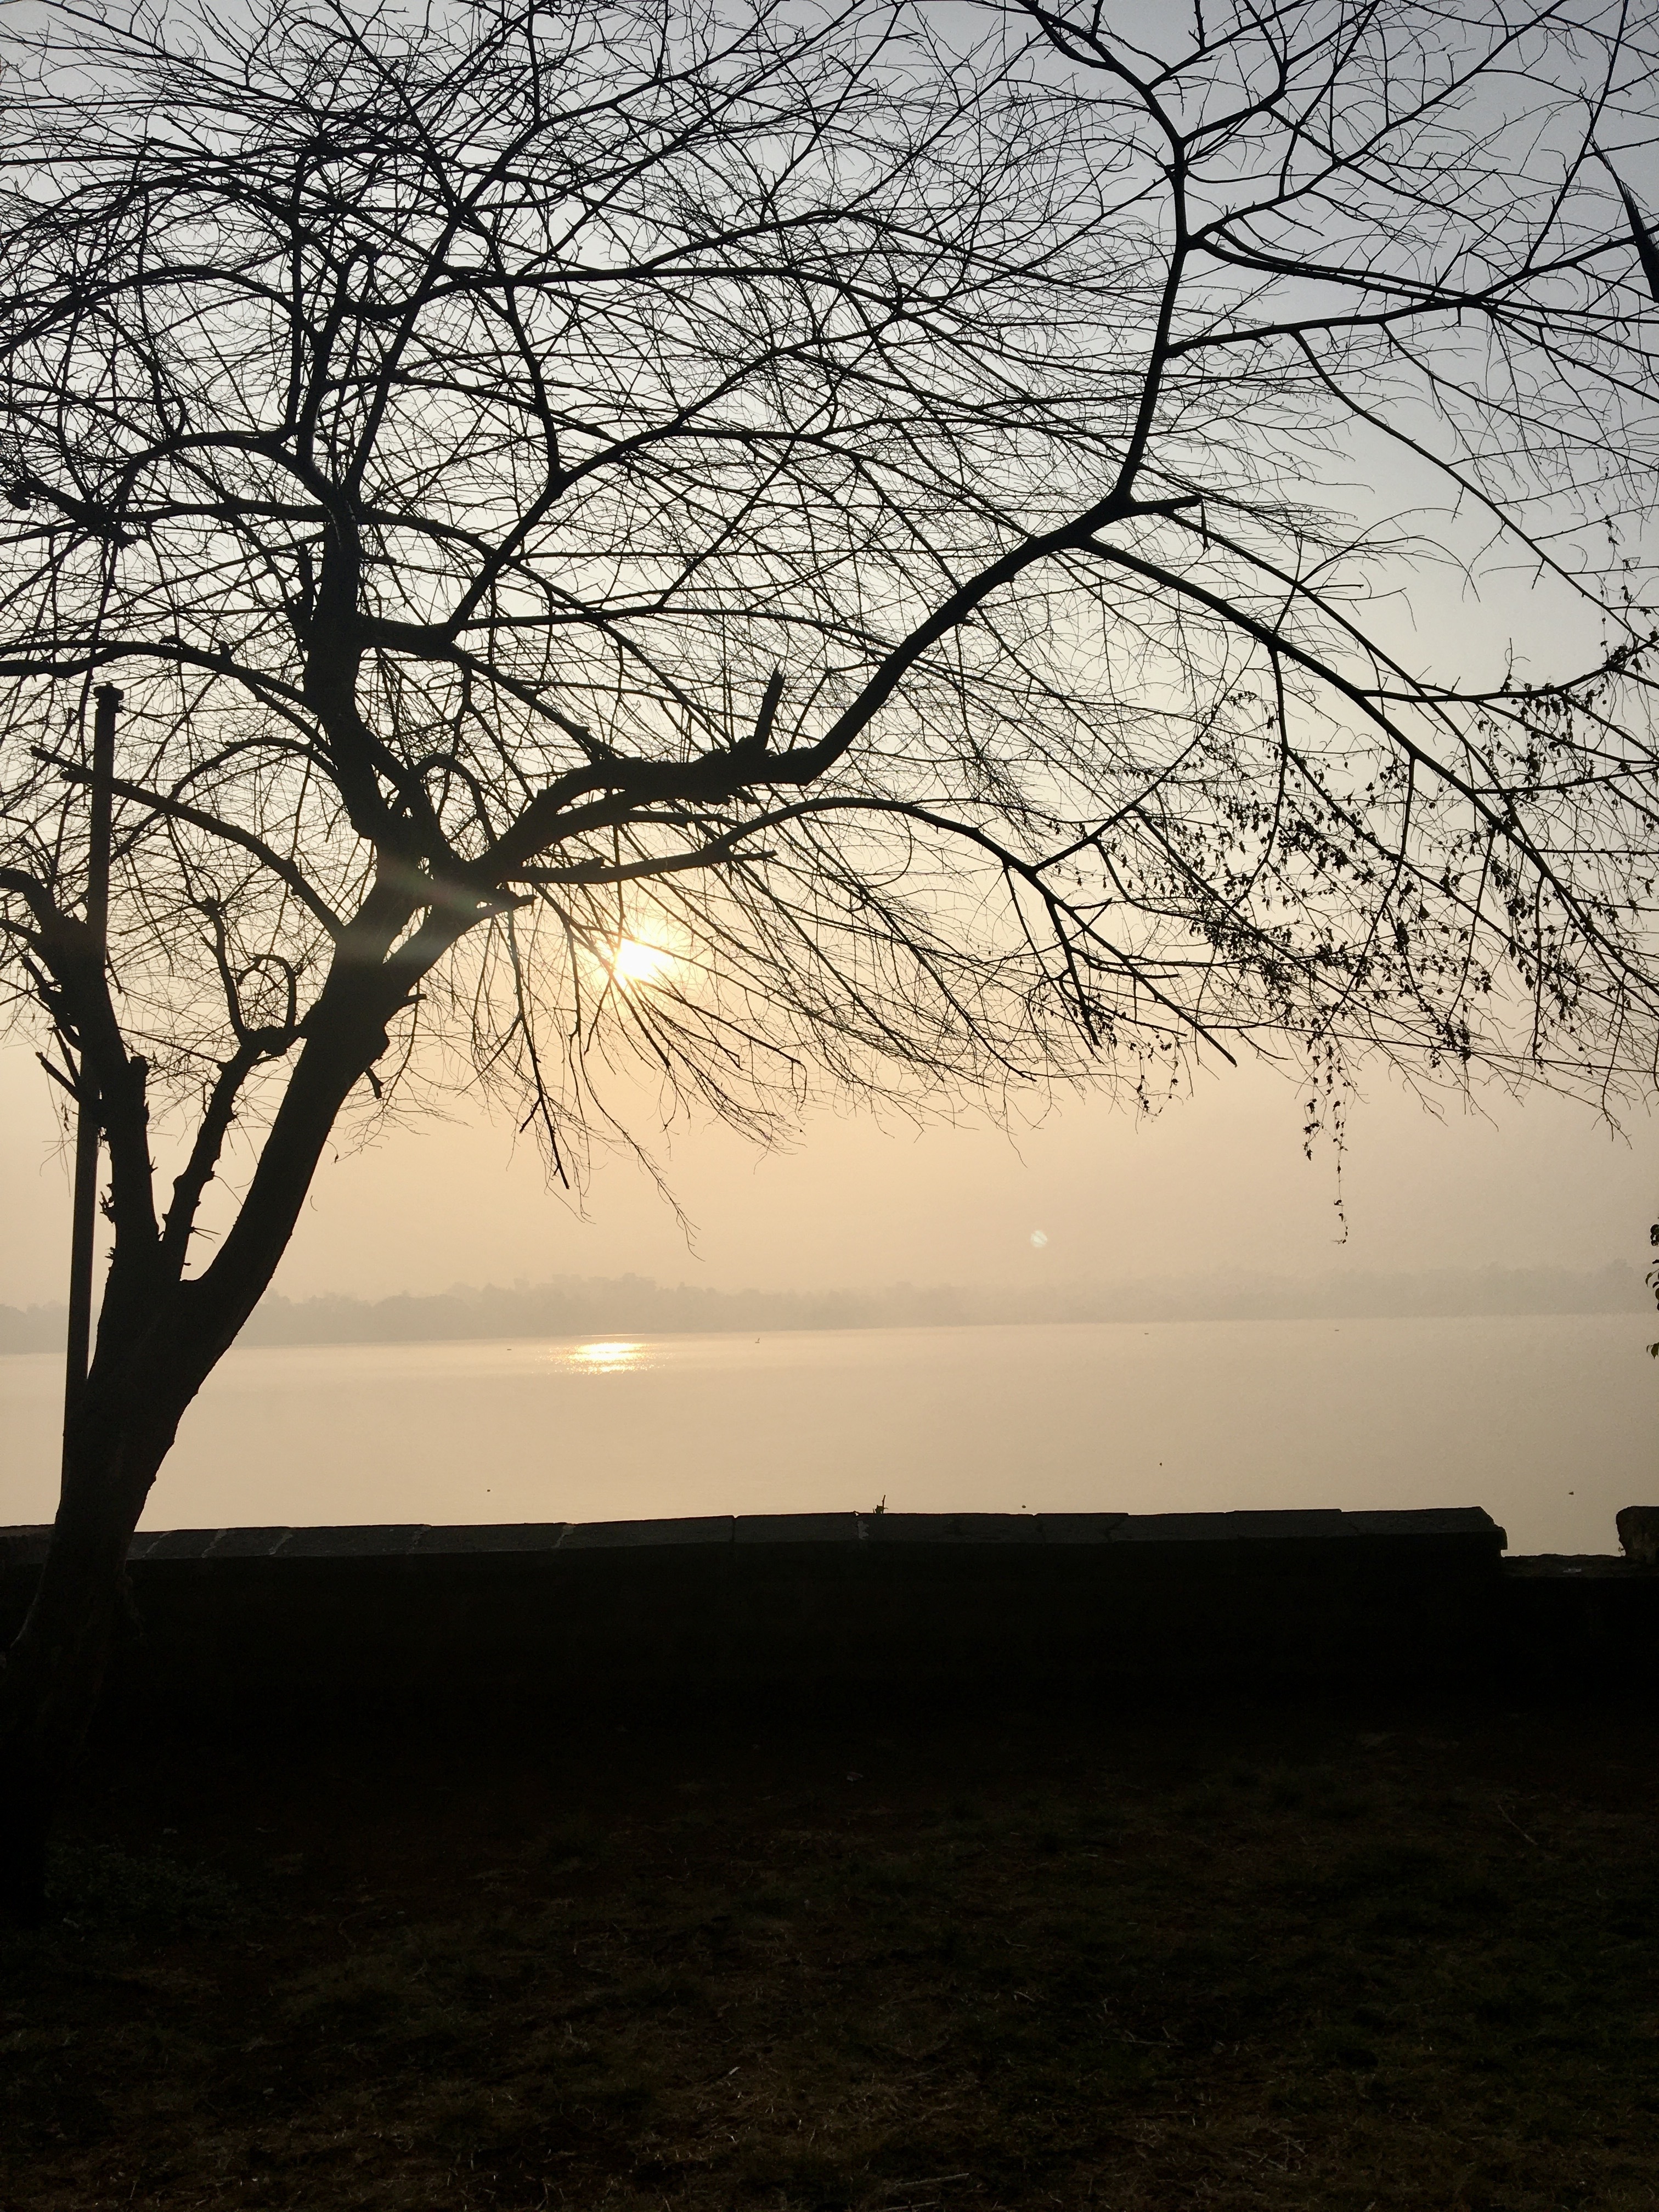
(84, 1219)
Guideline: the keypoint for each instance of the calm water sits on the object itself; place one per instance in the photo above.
(1548, 1423)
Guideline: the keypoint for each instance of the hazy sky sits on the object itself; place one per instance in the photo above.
(1217, 1181)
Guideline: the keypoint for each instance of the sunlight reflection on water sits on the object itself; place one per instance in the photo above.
(600, 1358)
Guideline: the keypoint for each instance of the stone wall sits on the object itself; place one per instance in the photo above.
(317, 1620)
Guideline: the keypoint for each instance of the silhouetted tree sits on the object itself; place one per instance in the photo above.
(790, 542)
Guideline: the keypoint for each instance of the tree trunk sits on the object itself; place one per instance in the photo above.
(142, 1379)
(122, 1430)
(158, 1340)
(52, 1676)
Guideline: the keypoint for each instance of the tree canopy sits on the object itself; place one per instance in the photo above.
(869, 504)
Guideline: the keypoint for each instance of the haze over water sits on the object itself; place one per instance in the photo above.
(1547, 1421)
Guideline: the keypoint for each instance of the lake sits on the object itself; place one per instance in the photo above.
(1549, 1423)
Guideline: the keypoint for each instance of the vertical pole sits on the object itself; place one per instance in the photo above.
(84, 1218)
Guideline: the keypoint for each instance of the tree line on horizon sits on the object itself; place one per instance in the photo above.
(576, 1305)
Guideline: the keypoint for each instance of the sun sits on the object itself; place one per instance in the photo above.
(632, 960)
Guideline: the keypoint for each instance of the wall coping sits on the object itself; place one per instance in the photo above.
(26, 1546)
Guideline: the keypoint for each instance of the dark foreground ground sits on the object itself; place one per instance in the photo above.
(1347, 1959)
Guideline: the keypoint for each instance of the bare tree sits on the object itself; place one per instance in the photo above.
(821, 541)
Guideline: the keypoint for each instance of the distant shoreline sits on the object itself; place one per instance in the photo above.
(634, 1305)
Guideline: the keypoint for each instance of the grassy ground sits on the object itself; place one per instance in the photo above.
(1258, 1959)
